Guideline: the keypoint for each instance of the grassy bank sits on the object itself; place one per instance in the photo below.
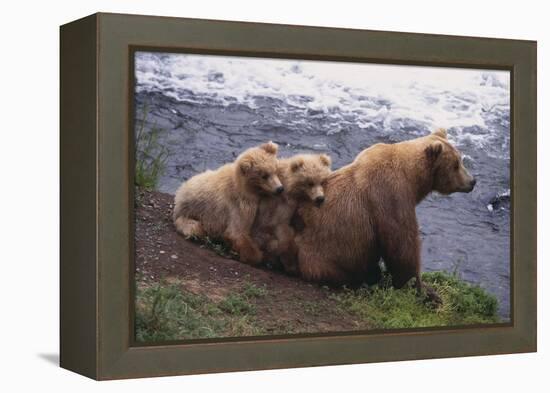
(168, 311)
(384, 307)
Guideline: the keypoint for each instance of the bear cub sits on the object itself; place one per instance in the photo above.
(223, 203)
(303, 177)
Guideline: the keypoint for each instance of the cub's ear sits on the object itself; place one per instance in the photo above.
(433, 151)
(245, 165)
(270, 147)
(325, 159)
(441, 132)
(296, 164)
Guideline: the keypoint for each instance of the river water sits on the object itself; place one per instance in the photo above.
(211, 108)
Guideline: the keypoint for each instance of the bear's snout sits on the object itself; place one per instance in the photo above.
(273, 185)
(319, 200)
(473, 183)
(469, 185)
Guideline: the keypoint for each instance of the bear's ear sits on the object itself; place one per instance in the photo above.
(296, 164)
(325, 159)
(441, 132)
(245, 165)
(270, 147)
(433, 151)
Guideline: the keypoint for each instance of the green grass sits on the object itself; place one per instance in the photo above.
(383, 307)
(241, 303)
(251, 291)
(151, 156)
(166, 312)
(236, 304)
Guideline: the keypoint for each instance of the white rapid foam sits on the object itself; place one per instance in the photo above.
(435, 96)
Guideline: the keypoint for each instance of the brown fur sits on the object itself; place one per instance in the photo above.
(303, 177)
(223, 203)
(370, 211)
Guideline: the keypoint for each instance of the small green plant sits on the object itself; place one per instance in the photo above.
(151, 156)
(252, 291)
(236, 304)
(241, 303)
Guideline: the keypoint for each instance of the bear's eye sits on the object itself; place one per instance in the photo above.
(265, 176)
(310, 184)
(457, 165)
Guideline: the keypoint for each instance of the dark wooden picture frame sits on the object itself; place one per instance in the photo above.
(97, 198)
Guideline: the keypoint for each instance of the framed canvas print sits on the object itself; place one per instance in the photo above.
(241, 196)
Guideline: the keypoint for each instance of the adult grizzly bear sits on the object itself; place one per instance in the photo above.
(370, 212)
(223, 203)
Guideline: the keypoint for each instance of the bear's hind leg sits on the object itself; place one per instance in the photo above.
(401, 244)
(188, 227)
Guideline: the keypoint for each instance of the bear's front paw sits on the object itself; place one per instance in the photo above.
(432, 298)
(251, 255)
(291, 269)
(290, 265)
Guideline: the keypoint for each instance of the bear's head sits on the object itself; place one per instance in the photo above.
(307, 176)
(449, 173)
(258, 168)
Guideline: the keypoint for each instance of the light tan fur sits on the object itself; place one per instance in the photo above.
(303, 177)
(223, 203)
(370, 211)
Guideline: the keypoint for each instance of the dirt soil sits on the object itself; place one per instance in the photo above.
(290, 304)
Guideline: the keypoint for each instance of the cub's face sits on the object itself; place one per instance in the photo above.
(259, 167)
(308, 175)
(450, 175)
